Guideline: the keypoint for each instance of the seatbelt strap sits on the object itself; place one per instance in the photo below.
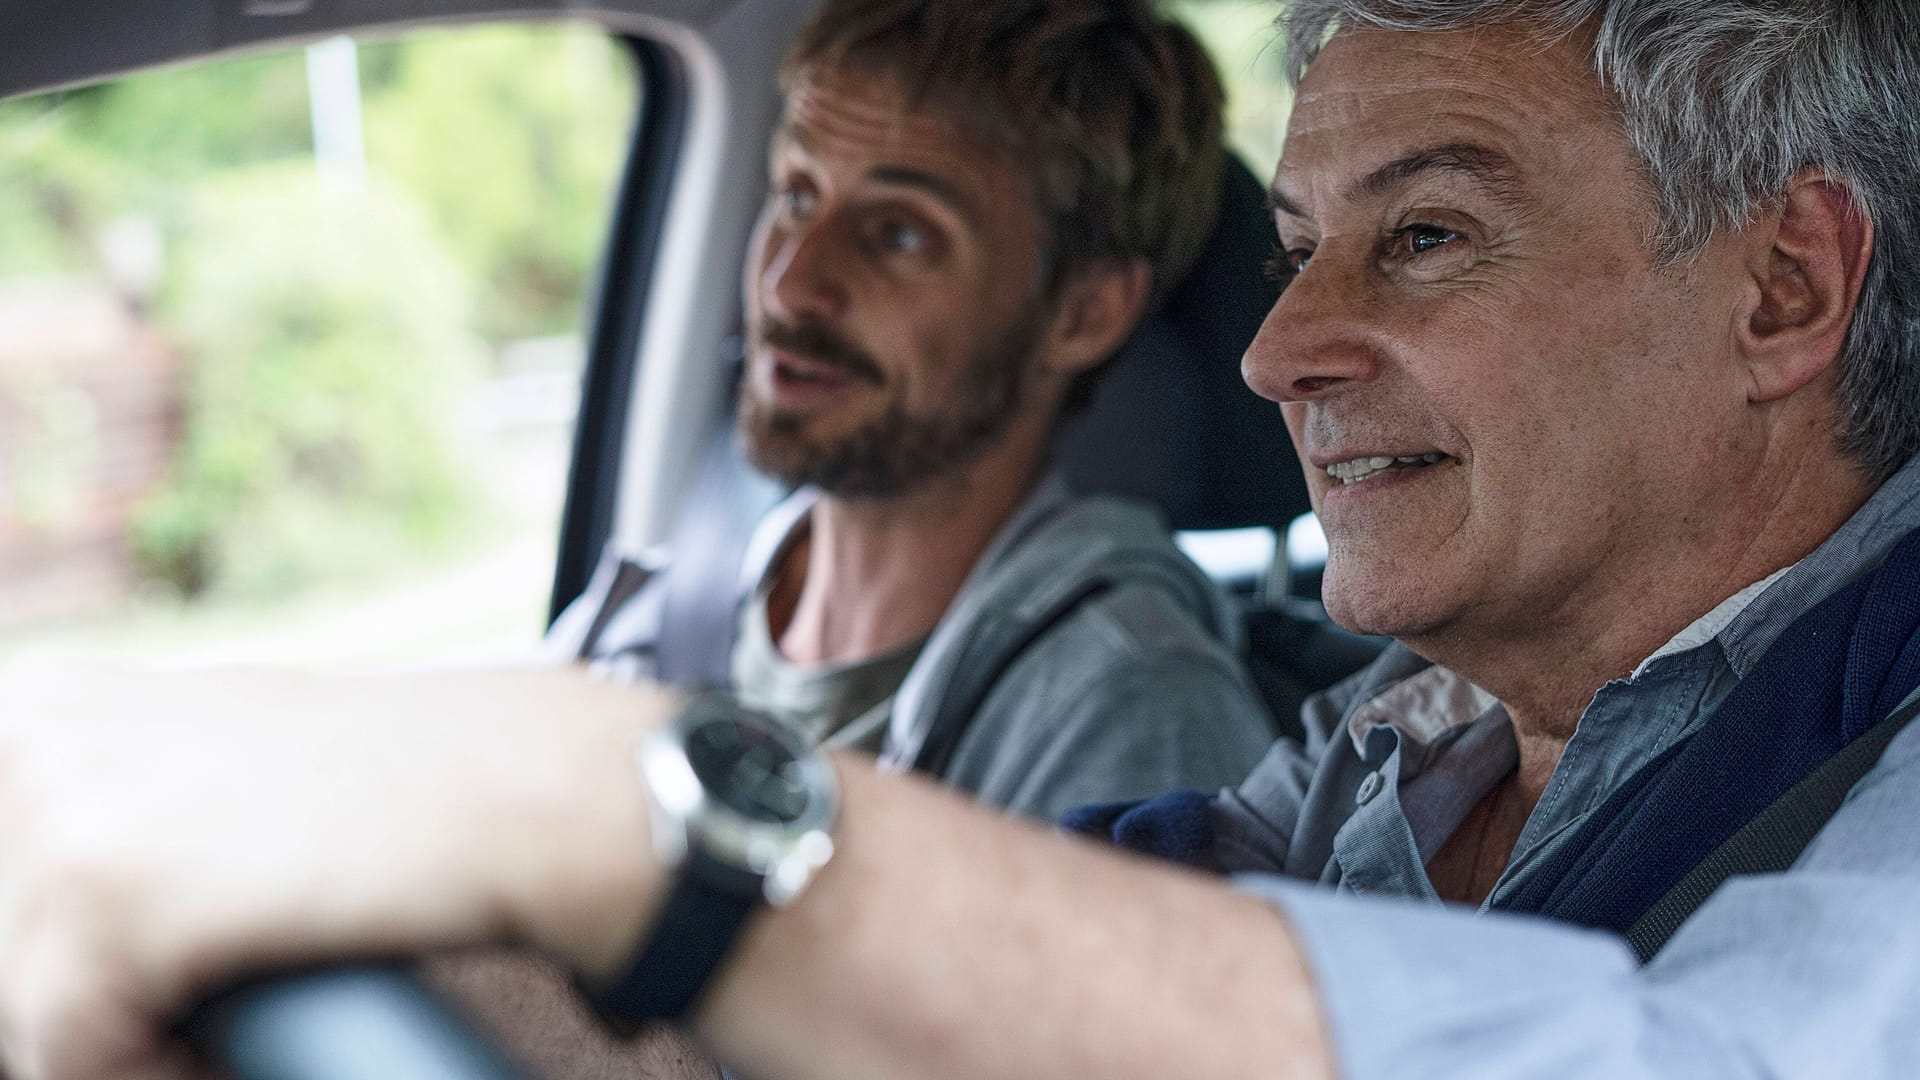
(703, 582)
(984, 660)
(627, 579)
(1001, 639)
(1775, 837)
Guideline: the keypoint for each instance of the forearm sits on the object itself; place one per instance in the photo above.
(943, 941)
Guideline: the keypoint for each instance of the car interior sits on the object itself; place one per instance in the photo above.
(653, 467)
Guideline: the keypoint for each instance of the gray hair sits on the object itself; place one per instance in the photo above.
(1724, 101)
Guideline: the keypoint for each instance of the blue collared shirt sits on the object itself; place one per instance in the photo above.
(1811, 973)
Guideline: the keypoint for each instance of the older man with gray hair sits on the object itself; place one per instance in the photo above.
(1599, 346)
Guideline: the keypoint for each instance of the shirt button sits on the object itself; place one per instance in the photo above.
(1369, 787)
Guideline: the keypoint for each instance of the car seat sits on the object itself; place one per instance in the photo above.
(1173, 422)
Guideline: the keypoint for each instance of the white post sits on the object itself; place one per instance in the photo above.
(333, 88)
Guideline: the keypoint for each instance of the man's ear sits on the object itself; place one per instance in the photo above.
(1097, 308)
(1808, 281)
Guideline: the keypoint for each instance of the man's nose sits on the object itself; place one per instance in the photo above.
(1315, 341)
(807, 274)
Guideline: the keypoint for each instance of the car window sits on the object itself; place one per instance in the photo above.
(290, 347)
(1241, 38)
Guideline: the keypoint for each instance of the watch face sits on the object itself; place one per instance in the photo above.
(747, 770)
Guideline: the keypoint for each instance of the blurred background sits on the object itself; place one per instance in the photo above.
(290, 343)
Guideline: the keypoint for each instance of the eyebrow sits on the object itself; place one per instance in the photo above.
(1487, 169)
(900, 176)
(938, 187)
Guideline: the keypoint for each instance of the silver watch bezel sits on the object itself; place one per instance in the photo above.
(784, 857)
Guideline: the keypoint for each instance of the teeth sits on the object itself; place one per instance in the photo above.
(1352, 472)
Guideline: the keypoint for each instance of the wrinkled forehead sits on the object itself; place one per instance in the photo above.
(1373, 95)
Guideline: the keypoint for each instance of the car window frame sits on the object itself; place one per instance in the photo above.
(617, 315)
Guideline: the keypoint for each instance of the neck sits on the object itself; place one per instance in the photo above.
(876, 574)
(1786, 505)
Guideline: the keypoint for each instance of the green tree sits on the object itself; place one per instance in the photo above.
(513, 138)
(323, 326)
(1251, 59)
(75, 159)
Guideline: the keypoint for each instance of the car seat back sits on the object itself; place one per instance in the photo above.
(1173, 422)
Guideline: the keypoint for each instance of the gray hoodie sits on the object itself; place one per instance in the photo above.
(1103, 662)
(1085, 659)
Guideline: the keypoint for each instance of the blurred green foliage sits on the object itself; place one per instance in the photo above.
(322, 438)
(514, 151)
(328, 331)
(1251, 59)
(511, 137)
(57, 446)
(77, 159)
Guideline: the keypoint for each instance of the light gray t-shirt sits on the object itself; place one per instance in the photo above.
(840, 705)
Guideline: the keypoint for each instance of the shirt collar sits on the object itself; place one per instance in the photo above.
(1708, 626)
(1423, 706)
(775, 534)
(1854, 549)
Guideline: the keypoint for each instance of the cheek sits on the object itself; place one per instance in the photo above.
(760, 249)
(932, 373)
(937, 342)
(1576, 431)
(1528, 408)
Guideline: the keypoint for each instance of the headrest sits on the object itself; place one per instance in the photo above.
(1171, 421)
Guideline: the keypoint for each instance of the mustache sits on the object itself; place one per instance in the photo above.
(811, 341)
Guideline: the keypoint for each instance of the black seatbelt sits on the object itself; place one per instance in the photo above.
(1775, 837)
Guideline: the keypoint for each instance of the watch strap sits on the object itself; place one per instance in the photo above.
(693, 935)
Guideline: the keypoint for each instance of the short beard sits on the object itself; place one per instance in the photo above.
(900, 451)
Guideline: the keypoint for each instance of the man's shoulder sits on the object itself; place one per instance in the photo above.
(1118, 653)
(1085, 547)
(1121, 624)
(1133, 624)
(1126, 697)
(1097, 585)
(1109, 519)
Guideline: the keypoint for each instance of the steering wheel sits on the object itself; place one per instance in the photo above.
(348, 1023)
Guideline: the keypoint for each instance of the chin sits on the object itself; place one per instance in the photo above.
(1375, 600)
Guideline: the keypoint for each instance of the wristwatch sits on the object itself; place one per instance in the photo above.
(742, 807)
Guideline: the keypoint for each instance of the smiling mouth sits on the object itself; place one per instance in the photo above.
(1362, 469)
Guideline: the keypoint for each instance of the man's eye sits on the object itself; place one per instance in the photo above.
(902, 239)
(795, 202)
(1285, 262)
(1417, 240)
